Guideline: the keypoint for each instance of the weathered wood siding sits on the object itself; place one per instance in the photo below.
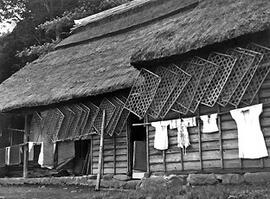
(114, 157)
(211, 153)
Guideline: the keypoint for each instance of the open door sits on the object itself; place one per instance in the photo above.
(138, 139)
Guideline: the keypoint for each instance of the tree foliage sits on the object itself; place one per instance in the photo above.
(40, 25)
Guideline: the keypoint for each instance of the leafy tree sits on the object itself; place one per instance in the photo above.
(40, 25)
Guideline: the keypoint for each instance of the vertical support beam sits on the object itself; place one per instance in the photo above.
(147, 147)
(26, 139)
(200, 138)
(129, 148)
(91, 153)
(100, 158)
(114, 154)
(164, 161)
(182, 160)
(258, 101)
(89, 158)
(220, 139)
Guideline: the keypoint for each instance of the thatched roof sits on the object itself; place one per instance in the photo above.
(90, 64)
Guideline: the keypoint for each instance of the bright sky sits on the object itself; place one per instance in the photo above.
(5, 27)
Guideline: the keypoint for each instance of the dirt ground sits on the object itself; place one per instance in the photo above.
(211, 192)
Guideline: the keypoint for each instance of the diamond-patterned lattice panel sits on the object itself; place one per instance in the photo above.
(85, 115)
(35, 128)
(52, 123)
(168, 82)
(91, 118)
(260, 74)
(109, 109)
(119, 108)
(225, 63)
(184, 78)
(179, 108)
(75, 122)
(208, 74)
(142, 93)
(241, 67)
(68, 117)
(123, 118)
(242, 87)
(186, 97)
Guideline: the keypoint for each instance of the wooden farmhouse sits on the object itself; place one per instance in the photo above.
(150, 66)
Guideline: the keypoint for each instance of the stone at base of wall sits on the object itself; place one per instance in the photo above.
(153, 182)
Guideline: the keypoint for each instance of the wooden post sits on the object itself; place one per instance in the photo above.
(147, 147)
(182, 160)
(89, 158)
(129, 148)
(25, 151)
(258, 101)
(164, 161)
(200, 139)
(114, 154)
(91, 152)
(220, 139)
(100, 158)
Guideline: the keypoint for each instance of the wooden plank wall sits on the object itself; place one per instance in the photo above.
(215, 152)
(115, 154)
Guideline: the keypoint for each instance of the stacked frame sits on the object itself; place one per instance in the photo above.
(242, 87)
(142, 93)
(72, 133)
(123, 118)
(184, 78)
(94, 110)
(109, 109)
(242, 65)
(226, 64)
(169, 80)
(208, 74)
(116, 116)
(68, 118)
(260, 74)
(185, 99)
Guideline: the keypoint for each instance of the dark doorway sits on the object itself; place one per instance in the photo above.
(138, 146)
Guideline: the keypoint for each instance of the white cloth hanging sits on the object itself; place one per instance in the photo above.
(182, 131)
(209, 123)
(251, 142)
(161, 135)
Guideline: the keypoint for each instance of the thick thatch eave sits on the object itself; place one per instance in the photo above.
(209, 23)
(101, 65)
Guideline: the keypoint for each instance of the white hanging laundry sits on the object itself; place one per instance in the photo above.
(182, 131)
(161, 141)
(31, 151)
(250, 137)
(209, 123)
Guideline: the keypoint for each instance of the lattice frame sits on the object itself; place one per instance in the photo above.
(242, 87)
(116, 116)
(123, 118)
(68, 117)
(184, 78)
(75, 122)
(142, 93)
(94, 110)
(109, 108)
(166, 86)
(36, 121)
(84, 118)
(260, 74)
(243, 63)
(226, 64)
(52, 122)
(208, 74)
(186, 97)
